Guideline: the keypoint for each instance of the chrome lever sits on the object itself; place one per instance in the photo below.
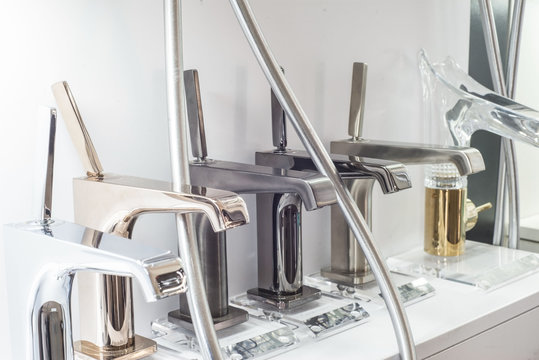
(357, 100)
(44, 166)
(195, 115)
(75, 126)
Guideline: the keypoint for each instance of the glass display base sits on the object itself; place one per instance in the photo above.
(317, 319)
(256, 338)
(411, 289)
(484, 266)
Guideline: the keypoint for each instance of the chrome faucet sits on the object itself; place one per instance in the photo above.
(112, 203)
(40, 286)
(313, 189)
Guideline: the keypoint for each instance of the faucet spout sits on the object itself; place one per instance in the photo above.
(44, 280)
(466, 160)
(392, 176)
(314, 190)
(113, 203)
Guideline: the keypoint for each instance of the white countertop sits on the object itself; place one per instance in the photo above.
(529, 228)
(457, 312)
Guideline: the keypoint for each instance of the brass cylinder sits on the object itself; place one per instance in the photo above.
(445, 231)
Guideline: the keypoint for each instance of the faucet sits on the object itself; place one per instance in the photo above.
(466, 160)
(112, 203)
(40, 292)
(375, 161)
(314, 190)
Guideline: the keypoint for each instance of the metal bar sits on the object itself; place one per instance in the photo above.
(512, 69)
(44, 164)
(187, 242)
(324, 164)
(514, 46)
(508, 150)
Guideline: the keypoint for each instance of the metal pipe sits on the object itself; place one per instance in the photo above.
(508, 147)
(323, 162)
(513, 50)
(187, 242)
(512, 69)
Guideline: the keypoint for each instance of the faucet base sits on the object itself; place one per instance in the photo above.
(235, 316)
(141, 347)
(347, 278)
(284, 301)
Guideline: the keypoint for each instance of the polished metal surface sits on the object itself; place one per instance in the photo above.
(284, 301)
(40, 311)
(233, 317)
(445, 221)
(44, 163)
(467, 160)
(323, 162)
(348, 263)
(177, 121)
(508, 167)
(392, 176)
(513, 52)
(140, 348)
(75, 126)
(112, 203)
(315, 190)
(278, 124)
(51, 331)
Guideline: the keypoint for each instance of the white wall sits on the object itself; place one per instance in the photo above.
(111, 52)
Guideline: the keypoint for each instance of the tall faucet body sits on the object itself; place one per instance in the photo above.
(348, 263)
(282, 262)
(112, 204)
(40, 286)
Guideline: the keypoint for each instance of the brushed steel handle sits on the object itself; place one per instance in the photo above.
(357, 100)
(195, 115)
(75, 126)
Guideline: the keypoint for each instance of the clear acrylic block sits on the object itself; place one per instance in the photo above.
(485, 266)
(316, 319)
(411, 289)
(255, 338)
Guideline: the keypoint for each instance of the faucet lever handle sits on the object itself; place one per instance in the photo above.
(357, 100)
(278, 123)
(195, 115)
(46, 130)
(76, 128)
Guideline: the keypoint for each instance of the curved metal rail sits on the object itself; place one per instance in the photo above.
(324, 164)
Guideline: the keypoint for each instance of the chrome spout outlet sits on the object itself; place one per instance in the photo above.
(40, 310)
(112, 203)
(314, 189)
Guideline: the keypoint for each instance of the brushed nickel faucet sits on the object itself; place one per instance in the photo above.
(314, 189)
(112, 203)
